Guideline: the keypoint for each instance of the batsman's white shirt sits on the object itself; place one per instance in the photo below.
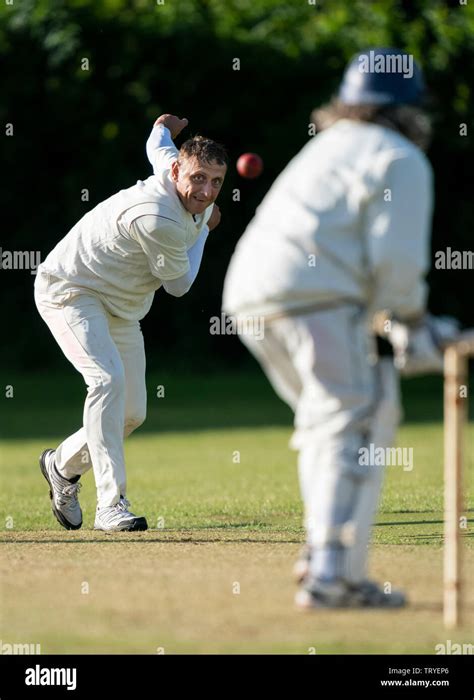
(347, 220)
(125, 247)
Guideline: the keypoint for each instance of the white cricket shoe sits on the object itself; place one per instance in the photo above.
(118, 518)
(341, 594)
(62, 492)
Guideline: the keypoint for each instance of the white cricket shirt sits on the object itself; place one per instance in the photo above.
(124, 248)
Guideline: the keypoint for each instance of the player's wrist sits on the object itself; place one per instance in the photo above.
(160, 125)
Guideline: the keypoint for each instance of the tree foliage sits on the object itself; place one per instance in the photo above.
(79, 129)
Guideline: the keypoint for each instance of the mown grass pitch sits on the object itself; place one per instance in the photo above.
(212, 472)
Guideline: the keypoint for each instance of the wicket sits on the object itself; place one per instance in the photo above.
(456, 358)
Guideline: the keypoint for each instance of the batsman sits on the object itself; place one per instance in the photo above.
(343, 233)
(94, 288)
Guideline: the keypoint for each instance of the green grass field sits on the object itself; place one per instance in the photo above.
(212, 472)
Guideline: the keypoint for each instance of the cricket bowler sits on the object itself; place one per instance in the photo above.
(94, 288)
(343, 232)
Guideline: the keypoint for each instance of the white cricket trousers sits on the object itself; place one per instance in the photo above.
(323, 364)
(109, 353)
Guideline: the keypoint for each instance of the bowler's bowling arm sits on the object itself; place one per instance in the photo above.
(160, 149)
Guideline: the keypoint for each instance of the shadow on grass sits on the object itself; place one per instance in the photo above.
(411, 522)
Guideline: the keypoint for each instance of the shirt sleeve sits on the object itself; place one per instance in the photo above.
(398, 227)
(160, 148)
(181, 285)
(163, 243)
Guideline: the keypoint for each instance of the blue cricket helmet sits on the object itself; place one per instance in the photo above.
(382, 76)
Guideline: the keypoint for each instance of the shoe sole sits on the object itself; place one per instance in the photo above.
(57, 514)
(138, 525)
(304, 603)
(366, 608)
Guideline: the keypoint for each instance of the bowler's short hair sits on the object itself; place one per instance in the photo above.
(204, 149)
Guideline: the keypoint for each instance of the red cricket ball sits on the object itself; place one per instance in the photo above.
(249, 165)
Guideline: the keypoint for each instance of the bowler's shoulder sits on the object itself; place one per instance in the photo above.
(145, 199)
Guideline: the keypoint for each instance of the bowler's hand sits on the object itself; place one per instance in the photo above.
(215, 218)
(174, 124)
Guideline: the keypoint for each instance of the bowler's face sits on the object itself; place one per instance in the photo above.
(197, 183)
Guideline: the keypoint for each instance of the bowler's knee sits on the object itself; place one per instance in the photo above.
(109, 384)
(133, 421)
